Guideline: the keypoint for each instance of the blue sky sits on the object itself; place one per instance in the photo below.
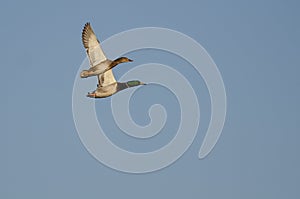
(255, 45)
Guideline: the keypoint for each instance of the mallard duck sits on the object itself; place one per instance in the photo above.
(98, 62)
(107, 85)
(101, 67)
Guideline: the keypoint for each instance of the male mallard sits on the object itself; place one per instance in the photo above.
(108, 86)
(98, 62)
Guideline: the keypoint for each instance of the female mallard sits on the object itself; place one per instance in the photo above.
(108, 86)
(98, 62)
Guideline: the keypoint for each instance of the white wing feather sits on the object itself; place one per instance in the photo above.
(106, 78)
(92, 46)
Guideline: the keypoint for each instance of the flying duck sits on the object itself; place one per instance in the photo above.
(98, 62)
(107, 85)
(101, 67)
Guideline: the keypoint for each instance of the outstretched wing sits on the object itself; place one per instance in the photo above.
(92, 45)
(106, 78)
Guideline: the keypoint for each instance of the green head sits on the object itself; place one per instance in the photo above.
(135, 83)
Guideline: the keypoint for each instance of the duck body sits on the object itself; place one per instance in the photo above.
(104, 91)
(97, 69)
(102, 67)
(109, 90)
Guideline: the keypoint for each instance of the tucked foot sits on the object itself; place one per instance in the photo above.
(92, 95)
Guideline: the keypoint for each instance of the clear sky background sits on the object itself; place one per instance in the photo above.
(255, 45)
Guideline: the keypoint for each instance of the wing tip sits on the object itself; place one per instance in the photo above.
(86, 25)
(85, 33)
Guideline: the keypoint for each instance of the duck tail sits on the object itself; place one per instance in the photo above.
(84, 74)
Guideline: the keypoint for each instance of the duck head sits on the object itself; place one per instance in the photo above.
(134, 83)
(118, 61)
(123, 60)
